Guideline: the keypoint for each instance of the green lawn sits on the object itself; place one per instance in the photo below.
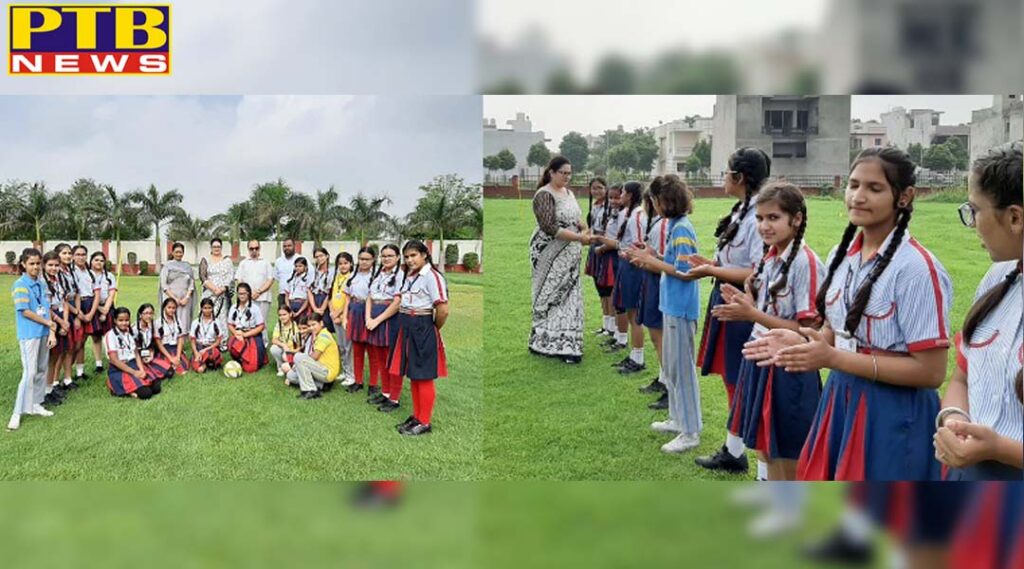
(213, 428)
(547, 420)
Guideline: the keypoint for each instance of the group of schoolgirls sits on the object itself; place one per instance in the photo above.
(876, 314)
(384, 310)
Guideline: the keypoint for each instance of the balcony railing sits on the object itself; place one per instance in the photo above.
(789, 130)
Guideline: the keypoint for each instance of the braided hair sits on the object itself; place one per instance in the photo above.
(139, 339)
(755, 166)
(590, 198)
(248, 304)
(163, 315)
(394, 274)
(51, 281)
(298, 260)
(608, 206)
(106, 274)
(899, 172)
(790, 200)
(355, 267)
(635, 191)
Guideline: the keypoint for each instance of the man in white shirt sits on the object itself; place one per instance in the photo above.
(283, 268)
(259, 275)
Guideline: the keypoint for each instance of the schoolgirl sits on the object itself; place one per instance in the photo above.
(597, 265)
(358, 289)
(37, 333)
(343, 265)
(320, 287)
(679, 303)
(383, 304)
(628, 278)
(245, 327)
(319, 366)
(207, 337)
(738, 250)
(886, 303)
(772, 409)
(58, 313)
(170, 338)
(285, 341)
(104, 288)
(126, 374)
(648, 312)
(605, 264)
(981, 425)
(297, 288)
(145, 340)
(418, 352)
(87, 307)
(68, 282)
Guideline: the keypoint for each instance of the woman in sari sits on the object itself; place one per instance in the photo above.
(216, 272)
(177, 282)
(555, 252)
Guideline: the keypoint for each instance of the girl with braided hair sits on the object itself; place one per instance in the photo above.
(885, 301)
(773, 409)
(738, 251)
(981, 425)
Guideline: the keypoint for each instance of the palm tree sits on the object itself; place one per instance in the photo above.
(114, 214)
(363, 218)
(234, 222)
(81, 201)
(155, 208)
(37, 210)
(399, 228)
(319, 215)
(190, 229)
(12, 195)
(270, 204)
(447, 206)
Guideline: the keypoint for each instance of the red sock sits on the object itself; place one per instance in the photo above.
(358, 360)
(424, 391)
(389, 488)
(377, 356)
(396, 387)
(415, 399)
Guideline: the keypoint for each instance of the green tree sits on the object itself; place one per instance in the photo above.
(574, 148)
(116, 214)
(36, 211)
(623, 157)
(506, 160)
(446, 206)
(82, 200)
(684, 72)
(561, 82)
(961, 156)
(693, 164)
(319, 216)
(646, 149)
(938, 157)
(364, 217)
(235, 223)
(193, 230)
(155, 208)
(916, 152)
(702, 150)
(539, 155)
(492, 162)
(270, 206)
(614, 75)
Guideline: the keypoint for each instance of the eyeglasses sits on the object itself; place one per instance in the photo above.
(254, 248)
(967, 214)
(564, 173)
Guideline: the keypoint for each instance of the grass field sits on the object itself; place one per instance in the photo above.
(547, 420)
(253, 428)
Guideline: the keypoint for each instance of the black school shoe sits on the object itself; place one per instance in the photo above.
(70, 386)
(98, 369)
(52, 399)
(309, 394)
(631, 366)
(654, 386)
(601, 332)
(374, 396)
(407, 423)
(611, 341)
(572, 359)
(660, 403)
(415, 430)
(722, 460)
(354, 387)
(839, 548)
(388, 406)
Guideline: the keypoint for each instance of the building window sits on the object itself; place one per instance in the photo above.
(802, 120)
(680, 166)
(911, 122)
(789, 150)
(935, 119)
(878, 142)
(778, 121)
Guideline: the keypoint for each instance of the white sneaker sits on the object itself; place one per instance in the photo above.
(752, 495)
(38, 409)
(667, 426)
(348, 381)
(682, 443)
(280, 373)
(15, 422)
(773, 524)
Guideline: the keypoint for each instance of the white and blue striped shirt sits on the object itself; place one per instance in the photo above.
(993, 358)
(636, 226)
(746, 248)
(657, 237)
(908, 310)
(795, 301)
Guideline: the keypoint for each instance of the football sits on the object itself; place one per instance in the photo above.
(233, 370)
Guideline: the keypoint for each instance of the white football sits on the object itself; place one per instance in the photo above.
(233, 370)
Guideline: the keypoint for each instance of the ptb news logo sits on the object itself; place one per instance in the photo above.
(93, 39)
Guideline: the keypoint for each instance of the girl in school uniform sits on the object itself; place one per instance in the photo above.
(320, 287)
(990, 533)
(67, 281)
(207, 337)
(629, 279)
(358, 289)
(86, 305)
(648, 312)
(105, 289)
(339, 307)
(597, 204)
(885, 299)
(58, 313)
(170, 338)
(382, 305)
(419, 350)
(679, 303)
(606, 218)
(245, 327)
(981, 424)
(144, 332)
(773, 409)
(738, 250)
(285, 341)
(297, 288)
(127, 375)
(37, 333)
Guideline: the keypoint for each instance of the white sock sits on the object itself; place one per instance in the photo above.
(620, 337)
(609, 323)
(99, 363)
(734, 445)
(49, 389)
(856, 525)
(762, 470)
(67, 381)
(637, 355)
(79, 369)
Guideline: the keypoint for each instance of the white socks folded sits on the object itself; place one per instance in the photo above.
(609, 324)
(734, 445)
(79, 369)
(762, 470)
(637, 355)
(620, 337)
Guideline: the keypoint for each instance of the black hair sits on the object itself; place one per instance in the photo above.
(296, 262)
(314, 317)
(337, 262)
(178, 245)
(608, 203)
(106, 274)
(635, 191)
(590, 197)
(650, 210)
(163, 311)
(49, 256)
(119, 310)
(26, 254)
(673, 195)
(355, 268)
(139, 340)
(216, 240)
(418, 246)
(899, 172)
(238, 299)
(206, 301)
(554, 165)
(791, 201)
(755, 165)
(398, 267)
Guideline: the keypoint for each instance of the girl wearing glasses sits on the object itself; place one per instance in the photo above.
(384, 290)
(981, 424)
(886, 301)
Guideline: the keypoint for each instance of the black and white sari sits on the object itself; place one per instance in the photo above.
(557, 294)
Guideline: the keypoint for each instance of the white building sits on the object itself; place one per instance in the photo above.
(518, 139)
(676, 140)
(865, 134)
(916, 126)
(1001, 123)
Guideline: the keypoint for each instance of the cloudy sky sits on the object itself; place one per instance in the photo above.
(297, 46)
(215, 148)
(956, 109)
